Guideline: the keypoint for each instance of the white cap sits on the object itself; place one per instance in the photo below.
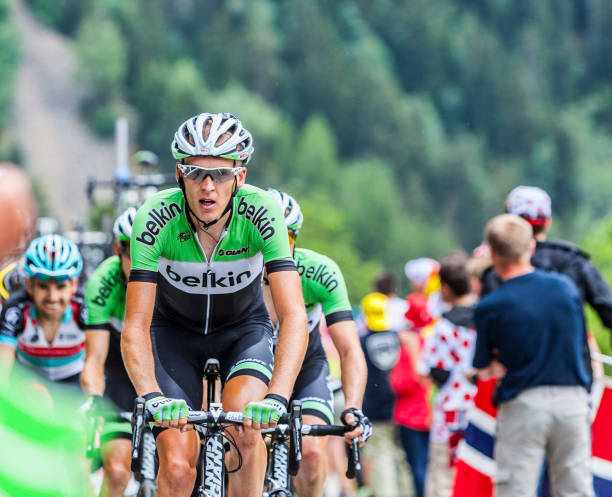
(418, 271)
(529, 202)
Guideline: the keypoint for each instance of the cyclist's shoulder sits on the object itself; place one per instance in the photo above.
(163, 206)
(250, 195)
(11, 279)
(20, 298)
(12, 314)
(105, 279)
(109, 265)
(158, 215)
(258, 211)
(318, 272)
(308, 257)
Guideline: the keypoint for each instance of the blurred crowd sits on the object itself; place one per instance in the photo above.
(499, 328)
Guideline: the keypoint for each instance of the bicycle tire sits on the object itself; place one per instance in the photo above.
(147, 489)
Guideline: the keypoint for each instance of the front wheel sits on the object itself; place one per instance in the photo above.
(147, 489)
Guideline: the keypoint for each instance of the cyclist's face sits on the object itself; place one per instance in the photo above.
(207, 198)
(51, 297)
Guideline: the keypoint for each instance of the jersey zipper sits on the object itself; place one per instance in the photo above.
(208, 271)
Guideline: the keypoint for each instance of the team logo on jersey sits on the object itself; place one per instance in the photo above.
(258, 218)
(184, 236)
(158, 219)
(221, 277)
(227, 253)
(107, 283)
(321, 274)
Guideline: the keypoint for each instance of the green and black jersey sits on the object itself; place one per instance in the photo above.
(105, 297)
(207, 296)
(105, 300)
(324, 292)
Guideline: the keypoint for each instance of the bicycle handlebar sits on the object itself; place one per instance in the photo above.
(354, 459)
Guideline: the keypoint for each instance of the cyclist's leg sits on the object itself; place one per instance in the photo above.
(178, 453)
(237, 393)
(116, 437)
(246, 369)
(179, 374)
(311, 387)
(116, 457)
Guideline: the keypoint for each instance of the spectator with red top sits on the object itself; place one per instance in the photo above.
(447, 357)
(412, 411)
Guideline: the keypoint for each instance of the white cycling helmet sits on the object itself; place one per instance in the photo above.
(531, 203)
(123, 225)
(191, 138)
(290, 208)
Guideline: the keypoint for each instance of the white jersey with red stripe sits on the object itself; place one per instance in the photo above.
(58, 360)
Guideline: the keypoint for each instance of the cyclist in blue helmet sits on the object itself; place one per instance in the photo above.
(42, 324)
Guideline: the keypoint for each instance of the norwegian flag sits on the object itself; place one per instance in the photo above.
(475, 463)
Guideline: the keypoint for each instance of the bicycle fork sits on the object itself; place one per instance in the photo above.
(212, 467)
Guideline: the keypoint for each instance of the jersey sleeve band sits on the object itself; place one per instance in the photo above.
(280, 265)
(99, 327)
(336, 317)
(143, 275)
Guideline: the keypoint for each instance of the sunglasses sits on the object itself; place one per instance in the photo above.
(218, 174)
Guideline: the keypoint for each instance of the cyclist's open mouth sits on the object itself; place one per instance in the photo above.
(207, 204)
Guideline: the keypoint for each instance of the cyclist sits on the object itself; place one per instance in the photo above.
(104, 372)
(324, 293)
(534, 205)
(43, 324)
(198, 253)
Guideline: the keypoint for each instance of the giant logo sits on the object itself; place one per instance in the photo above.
(219, 277)
(214, 467)
(158, 219)
(258, 218)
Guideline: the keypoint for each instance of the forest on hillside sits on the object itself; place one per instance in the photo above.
(400, 126)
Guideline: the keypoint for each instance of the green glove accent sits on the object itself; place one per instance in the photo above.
(264, 411)
(166, 409)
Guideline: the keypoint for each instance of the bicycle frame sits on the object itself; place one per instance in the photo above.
(283, 462)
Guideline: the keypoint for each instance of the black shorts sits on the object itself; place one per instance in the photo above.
(180, 356)
(313, 389)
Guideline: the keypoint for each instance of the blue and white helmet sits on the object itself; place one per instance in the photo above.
(290, 209)
(53, 256)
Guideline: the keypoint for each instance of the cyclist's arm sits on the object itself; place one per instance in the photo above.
(286, 291)
(352, 361)
(136, 347)
(96, 350)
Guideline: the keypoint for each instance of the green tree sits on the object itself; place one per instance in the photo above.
(598, 243)
(324, 231)
(102, 57)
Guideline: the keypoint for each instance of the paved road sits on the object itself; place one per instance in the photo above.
(58, 148)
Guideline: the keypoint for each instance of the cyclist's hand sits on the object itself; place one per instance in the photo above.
(361, 423)
(93, 405)
(265, 413)
(166, 412)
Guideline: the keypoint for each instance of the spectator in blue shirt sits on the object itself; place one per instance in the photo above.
(534, 324)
